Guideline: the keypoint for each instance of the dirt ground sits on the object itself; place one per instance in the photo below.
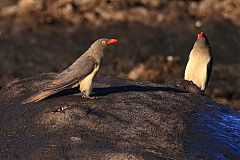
(155, 38)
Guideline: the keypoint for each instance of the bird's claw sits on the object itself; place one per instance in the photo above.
(89, 97)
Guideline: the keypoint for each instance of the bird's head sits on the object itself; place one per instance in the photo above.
(99, 45)
(201, 35)
(202, 40)
(104, 42)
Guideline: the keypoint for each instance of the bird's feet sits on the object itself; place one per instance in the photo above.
(89, 97)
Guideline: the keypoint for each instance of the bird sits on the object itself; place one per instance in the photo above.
(200, 62)
(80, 73)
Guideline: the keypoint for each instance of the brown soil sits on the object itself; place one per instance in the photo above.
(155, 38)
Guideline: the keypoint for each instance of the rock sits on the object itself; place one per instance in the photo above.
(127, 120)
(185, 85)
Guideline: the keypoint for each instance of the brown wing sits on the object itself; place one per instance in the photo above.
(77, 71)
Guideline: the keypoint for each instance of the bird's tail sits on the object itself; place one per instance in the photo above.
(39, 96)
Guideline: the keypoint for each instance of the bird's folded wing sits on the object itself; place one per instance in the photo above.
(77, 71)
(209, 69)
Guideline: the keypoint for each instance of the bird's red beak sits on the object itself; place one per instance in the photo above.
(112, 41)
(201, 35)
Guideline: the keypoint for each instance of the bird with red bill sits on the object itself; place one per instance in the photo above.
(80, 73)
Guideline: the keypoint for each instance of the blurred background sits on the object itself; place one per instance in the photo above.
(155, 38)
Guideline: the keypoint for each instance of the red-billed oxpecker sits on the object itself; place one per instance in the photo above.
(80, 73)
(199, 66)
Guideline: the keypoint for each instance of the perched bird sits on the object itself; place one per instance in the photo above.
(199, 66)
(81, 72)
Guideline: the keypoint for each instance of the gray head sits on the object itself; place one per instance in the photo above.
(99, 45)
(202, 41)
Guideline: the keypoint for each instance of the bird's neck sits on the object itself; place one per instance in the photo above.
(202, 47)
(97, 54)
(201, 51)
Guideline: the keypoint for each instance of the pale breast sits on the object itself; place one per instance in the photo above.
(86, 83)
(196, 69)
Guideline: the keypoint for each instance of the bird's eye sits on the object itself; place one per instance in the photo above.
(103, 42)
